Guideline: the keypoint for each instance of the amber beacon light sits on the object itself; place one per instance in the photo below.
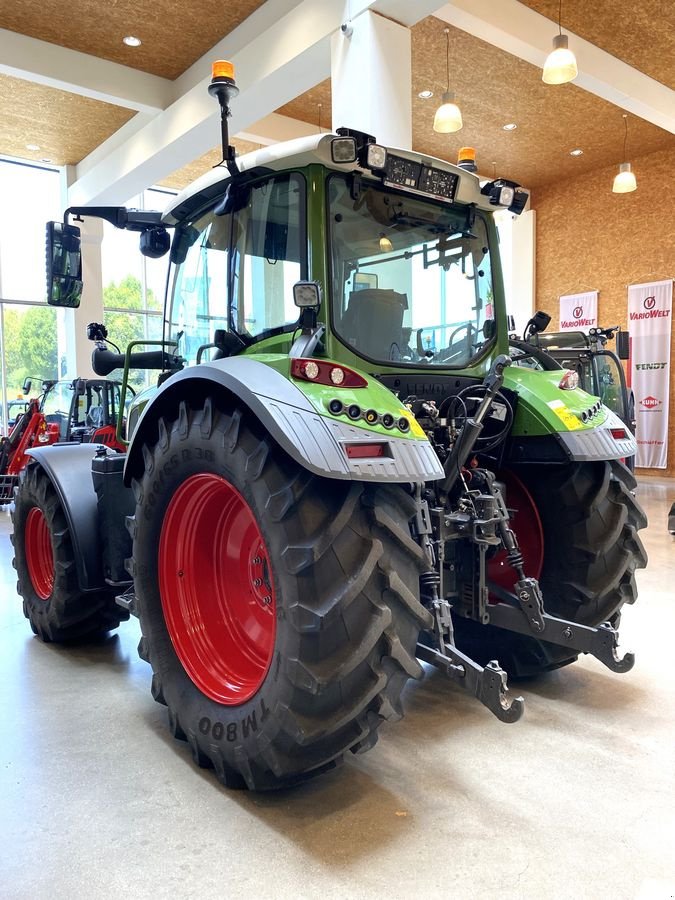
(224, 88)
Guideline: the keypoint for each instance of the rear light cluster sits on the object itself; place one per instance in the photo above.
(354, 412)
(569, 381)
(321, 372)
(588, 414)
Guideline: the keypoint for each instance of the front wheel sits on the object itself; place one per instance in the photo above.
(279, 610)
(45, 566)
(582, 519)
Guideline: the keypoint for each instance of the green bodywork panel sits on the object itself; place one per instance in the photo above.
(375, 396)
(544, 408)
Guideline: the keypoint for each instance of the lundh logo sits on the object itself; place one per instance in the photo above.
(649, 302)
(578, 312)
(650, 403)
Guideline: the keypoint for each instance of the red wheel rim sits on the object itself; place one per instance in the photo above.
(217, 591)
(526, 524)
(39, 555)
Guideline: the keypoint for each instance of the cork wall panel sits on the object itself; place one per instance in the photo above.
(641, 34)
(65, 126)
(591, 239)
(174, 33)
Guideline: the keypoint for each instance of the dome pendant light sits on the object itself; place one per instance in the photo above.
(625, 181)
(561, 65)
(448, 116)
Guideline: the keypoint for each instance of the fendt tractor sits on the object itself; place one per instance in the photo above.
(339, 473)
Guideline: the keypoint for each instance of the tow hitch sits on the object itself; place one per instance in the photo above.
(486, 684)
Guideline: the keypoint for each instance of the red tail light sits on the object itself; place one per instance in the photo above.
(321, 372)
(619, 434)
(569, 381)
(367, 451)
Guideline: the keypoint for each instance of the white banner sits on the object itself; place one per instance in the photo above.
(649, 324)
(579, 312)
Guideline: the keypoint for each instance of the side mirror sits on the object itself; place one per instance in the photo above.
(64, 265)
(27, 385)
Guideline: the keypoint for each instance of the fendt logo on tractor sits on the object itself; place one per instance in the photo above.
(328, 483)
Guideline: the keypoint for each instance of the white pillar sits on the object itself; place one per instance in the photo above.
(91, 306)
(72, 329)
(523, 268)
(371, 75)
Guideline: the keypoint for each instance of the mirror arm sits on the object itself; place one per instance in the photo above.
(119, 216)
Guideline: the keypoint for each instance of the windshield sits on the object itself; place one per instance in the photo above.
(411, 278)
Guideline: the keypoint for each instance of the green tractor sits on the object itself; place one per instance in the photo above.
(339, 473)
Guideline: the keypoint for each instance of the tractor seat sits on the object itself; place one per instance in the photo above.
(373, 322)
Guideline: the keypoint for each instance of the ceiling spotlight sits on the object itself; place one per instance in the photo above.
(132, 41)
(577, 152)
(510, 126)
(625, 181)
(448, 116)
(32, 147)
(425, 95)
(561, 64)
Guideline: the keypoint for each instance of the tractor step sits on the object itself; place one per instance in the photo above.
(486, 684)
(127, 601)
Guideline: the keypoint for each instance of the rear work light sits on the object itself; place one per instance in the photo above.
(569, 381)
(321, 372)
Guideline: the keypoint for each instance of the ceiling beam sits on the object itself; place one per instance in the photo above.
(274, 64)
(518, 30)
(69, 70)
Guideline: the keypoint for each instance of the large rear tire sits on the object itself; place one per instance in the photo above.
(279, 610)
(45, 566)
(589, 519)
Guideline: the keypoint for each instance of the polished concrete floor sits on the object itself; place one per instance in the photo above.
(575, 801)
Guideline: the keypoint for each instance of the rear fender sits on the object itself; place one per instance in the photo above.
(314, 441)
(68, 467)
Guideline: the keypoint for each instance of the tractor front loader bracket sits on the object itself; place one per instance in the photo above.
(486, 684)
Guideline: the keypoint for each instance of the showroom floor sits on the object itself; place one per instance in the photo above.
(575, 801)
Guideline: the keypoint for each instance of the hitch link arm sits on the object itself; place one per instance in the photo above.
(486, 684)
(601, 642)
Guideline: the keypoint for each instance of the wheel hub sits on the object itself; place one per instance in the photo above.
(39, 554)
(217, 589)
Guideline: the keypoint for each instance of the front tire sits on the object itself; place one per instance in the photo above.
(279, 610)
(45, 566)
(589, 522)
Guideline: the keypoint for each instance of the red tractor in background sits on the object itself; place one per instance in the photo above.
(83, 410)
